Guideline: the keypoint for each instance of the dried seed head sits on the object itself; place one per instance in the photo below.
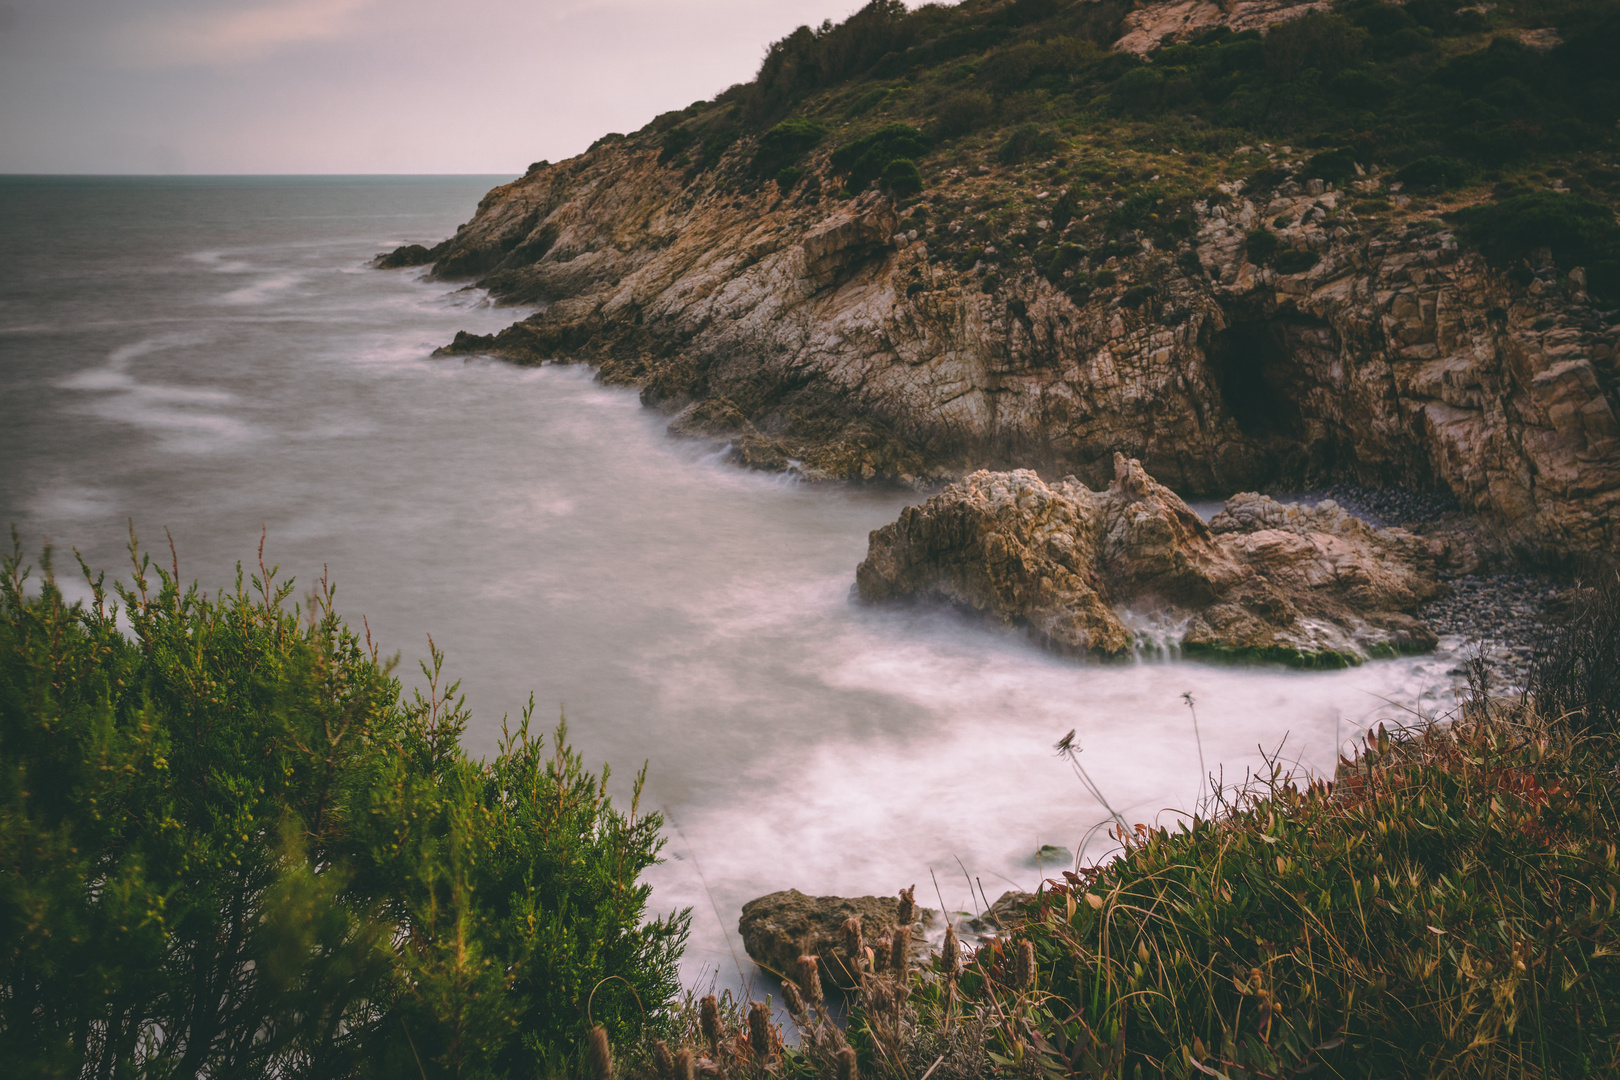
(900, 949)
(949, 953)
(881, 949)
(906, 914)
(794, 1000)
(709, 1021)
(601, 1057)
(847, 1069)
(854, 943)
(810, 978)
(663, 1060)
(878, 998)
(759, 1029)
(1026, 965)
(685, 1067)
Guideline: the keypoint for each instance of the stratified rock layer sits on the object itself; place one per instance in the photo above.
(811, 333)
(1084, 570)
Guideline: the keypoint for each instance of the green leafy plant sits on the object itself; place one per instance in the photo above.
(783, 145)
(863, 160)
(1578, 231)
(229, 847)
(901, 178)
(1261, 244)
(1434, 173)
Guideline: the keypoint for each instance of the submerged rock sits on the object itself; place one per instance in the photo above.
(779, 928)
(1093, 571)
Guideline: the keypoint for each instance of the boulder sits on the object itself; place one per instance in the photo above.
(779, 928)
(1096, 571)
(405, 255)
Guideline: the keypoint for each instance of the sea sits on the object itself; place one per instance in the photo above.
(214, 360)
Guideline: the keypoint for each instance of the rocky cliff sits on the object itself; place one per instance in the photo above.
(920, 336)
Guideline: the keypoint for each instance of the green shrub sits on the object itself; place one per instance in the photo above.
(1362, 89)
(1334, 166)
(962, 112)
(863, 160)
(223, 824)
(1295, 261)
(1434, 174)
(788, 177)
(1261, 244)
(1579, 231)
(866, 102)
(1029, 140)
(1063, 212)
(676, 141)
(786, 143)
(1136, 296)
(901, 178)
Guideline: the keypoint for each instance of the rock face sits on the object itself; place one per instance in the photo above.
(1152, 25)
(779, 928)
(1088, 571)
(812, 334)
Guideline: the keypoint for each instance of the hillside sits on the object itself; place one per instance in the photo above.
(1256, 244)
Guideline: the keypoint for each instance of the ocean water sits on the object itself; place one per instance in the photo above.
(214, 357)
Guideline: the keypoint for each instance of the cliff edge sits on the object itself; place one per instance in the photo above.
(938, 264)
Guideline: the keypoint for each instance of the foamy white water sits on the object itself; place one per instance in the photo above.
(211, 357)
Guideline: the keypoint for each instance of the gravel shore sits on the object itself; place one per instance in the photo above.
(1502, 615)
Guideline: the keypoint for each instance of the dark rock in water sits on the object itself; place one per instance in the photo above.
(1051, 855)
(1094, 571)
(1009, 910)
(779, 928)
(408, 255)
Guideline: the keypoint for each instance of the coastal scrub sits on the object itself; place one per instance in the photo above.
(230, 847)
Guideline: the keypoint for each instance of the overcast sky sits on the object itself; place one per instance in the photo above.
(359, 86)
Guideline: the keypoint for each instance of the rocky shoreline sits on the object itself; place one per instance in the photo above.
(1083, 570)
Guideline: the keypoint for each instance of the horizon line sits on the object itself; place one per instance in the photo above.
(224, 175)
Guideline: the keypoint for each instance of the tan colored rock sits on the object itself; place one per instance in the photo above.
(1152, 25)
(779, 928)
(792, 327)
(1080, 568)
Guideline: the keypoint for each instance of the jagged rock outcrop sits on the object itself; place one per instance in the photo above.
(1152, 25)
(1086, 571)
(812, 333)
(779, 928)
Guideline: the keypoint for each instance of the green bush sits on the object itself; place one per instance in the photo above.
(229, 848)
(901, 178)
(1029, 140)
(961, 112)
(676, 141)
(1261, 244)
(1334, 166)
(1579, 231)
(1434, 174)
(863, 160)
(788, 177)
(786, 143)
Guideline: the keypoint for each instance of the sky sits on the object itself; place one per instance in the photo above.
(359, 86)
